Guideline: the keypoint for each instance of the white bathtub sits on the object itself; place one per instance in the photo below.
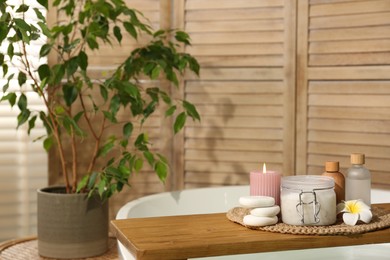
(221, 199)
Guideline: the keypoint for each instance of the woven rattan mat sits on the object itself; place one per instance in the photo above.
(380, 220)
(24, 249)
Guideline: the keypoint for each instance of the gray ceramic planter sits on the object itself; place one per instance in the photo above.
(71, 225)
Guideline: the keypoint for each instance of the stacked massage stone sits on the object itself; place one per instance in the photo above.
(263, 210)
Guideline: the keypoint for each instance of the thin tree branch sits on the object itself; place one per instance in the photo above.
(54, 125)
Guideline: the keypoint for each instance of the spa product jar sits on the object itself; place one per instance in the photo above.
(358, 181)
(308, 200)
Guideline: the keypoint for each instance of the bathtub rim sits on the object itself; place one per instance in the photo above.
(124, 210)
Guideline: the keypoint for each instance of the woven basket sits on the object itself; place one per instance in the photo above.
(380, 220)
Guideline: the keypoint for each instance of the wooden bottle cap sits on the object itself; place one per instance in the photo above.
(357, 158)
(332, 166)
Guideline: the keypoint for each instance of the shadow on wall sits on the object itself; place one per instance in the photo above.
(224, 109)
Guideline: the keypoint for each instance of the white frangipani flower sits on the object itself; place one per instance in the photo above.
(354, 210)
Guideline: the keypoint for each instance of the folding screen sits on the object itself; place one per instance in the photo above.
(344, 85)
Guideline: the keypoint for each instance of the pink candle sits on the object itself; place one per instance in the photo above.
(265, 183)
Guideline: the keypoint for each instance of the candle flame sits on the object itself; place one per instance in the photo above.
(264, 168)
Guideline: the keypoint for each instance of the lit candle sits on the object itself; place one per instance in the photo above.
(265, 183)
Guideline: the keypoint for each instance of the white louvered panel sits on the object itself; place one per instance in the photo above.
(23, 163)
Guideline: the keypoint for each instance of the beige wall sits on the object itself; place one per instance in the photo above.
(286, 82)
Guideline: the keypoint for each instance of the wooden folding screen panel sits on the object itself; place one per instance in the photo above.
(245, 93)
(344, 85)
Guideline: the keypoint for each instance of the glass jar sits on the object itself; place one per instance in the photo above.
(308, 200)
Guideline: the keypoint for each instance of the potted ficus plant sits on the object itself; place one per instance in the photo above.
(78, 106)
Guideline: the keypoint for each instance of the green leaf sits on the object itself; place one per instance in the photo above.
(162, 158)
(170, 111)
(43, 83)
(23, 117)
(77, 117)
(141, 142)
(119, 186)
(149, 110)
(21, 35)
(71, 66)
(114, 172)
(44, 3)
(56, 2)
(5, 88)
(179, 122)
(67, 29)
(115, 104)
(155, 73)
(127, 130)
(22, 25)
(103, 92)
(162, 170)
(110, 117)
(22, 8)
(46, 121)
(138, 164)
(149, 157)
(153, 93)
(70, 94)
(58, 72)
(22, 78)
(10, 50)
(70, 125)
(194, 65)
(117, 33)
(131, 89)
(45, 30)
(124, 143)
(137, 107)
(171, 76)
(4, 30)
(102, 187)
(183, 37)
(191, 110)
(44, 71)
(92, 180)
(165, 97)
(11, 97)
(31, 124)
(148, 68)
(82, 183)
(59, 110)
(105, 149)
(130, 29)
(22, 102)
(39, 14)
(125, 171)
(47, 143)
(92, 43)
(45, 50)
(68, 47)
(158, 33)
(83, 60)
(5, 69)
